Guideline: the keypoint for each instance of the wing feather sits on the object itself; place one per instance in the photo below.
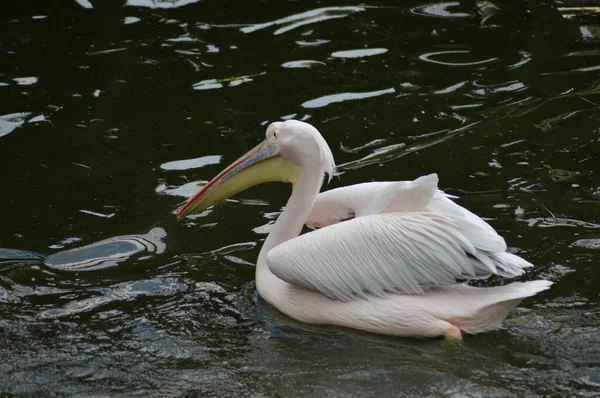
(383, 253)
(370, 198)
(359, 200)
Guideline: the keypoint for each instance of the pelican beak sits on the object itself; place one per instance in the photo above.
(261, 164)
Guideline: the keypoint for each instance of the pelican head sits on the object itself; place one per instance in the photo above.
(289, 147)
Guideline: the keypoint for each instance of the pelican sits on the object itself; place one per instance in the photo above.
(396, 265)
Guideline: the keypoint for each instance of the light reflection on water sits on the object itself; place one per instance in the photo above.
(128, 120)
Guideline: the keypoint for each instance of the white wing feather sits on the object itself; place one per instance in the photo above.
(370, 198)
(386, 253)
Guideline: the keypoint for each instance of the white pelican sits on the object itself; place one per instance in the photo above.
(398, 267)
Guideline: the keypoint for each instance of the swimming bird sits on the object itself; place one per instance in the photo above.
(396, 266)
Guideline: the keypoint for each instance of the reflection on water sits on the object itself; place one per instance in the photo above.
(429, 57)
(442, 10)
(191, 163)
(302, 64)
(117, 111)
(11, 121)
(366, 52)
(109, 252)
(156, 3)
(305, 18)
(225, 82)
(331, 99)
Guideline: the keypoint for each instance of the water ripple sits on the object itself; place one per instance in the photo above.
(334, 98)
(428, 58)
(11, 121)
(360, 53)
(440, 10)
(309, 17)
(302, 64)
(126, 291)
(211, 84)
(109, 252)
(158, 3)
(195, 163)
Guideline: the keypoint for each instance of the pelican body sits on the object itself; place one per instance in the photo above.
(387, 257)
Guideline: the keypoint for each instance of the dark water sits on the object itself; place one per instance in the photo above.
(99, 99)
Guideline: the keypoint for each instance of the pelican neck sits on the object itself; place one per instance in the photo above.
(289, 224)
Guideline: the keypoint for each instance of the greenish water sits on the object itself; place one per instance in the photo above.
(99, 105)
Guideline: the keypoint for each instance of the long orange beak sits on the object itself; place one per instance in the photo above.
(261, 164)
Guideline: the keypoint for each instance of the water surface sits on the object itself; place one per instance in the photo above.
(113, 112)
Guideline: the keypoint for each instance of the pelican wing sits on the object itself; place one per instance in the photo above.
(479, 232)
(386, 253)
(370, 198)
(359, 200)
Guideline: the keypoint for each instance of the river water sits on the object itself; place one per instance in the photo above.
(113, 112)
